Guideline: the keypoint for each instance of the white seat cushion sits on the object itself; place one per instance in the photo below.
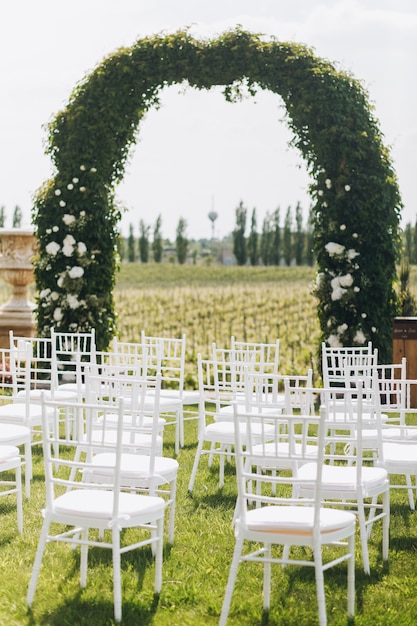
(99, 504)
(343, 478)
(297, 520)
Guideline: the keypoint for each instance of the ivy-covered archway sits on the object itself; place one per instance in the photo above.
(354, 190)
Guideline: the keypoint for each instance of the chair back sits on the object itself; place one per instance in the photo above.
(166, 356)
(66, 348)
(291, 446)
(141, 405)
(41, 371)
(264, 357)
(333, 361)
(68, 458)
(392, 384)
(349, 415)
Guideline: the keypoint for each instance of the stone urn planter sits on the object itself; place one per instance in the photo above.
(17, 247)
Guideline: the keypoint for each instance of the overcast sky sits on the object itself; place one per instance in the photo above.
(199, 153)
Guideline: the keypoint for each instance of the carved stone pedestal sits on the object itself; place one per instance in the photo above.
(17, 247)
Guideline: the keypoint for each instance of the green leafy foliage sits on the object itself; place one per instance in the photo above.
(355, 192)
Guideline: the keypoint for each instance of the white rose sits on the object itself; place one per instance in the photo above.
(58, 314)
(68, 250)
(334, 341)
(82, 248)
(57, 192)
(44, 293)
(76, 272)
(338, 293)
(70, 186)
(328, 183)
(334, 248)
(69, 240)
(346, 281)
(351, 254)
(68, 219)
(72, 301)
(359, 337)
(62, 203)
(52, 248)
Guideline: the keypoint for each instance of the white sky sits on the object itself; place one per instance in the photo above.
(198, 152)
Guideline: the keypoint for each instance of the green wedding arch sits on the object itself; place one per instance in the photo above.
(354, 190)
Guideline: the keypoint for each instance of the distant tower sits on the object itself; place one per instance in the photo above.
(212, 217)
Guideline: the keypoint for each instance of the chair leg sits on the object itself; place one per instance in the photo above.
(351, 576)
(38, 560)
(171, 521)
(364, 537)
(211, 454)
(159, 554)
(410, 491)
(195, 466)
(84, 559)
(231, 581)
(267, 578)
(321, 600)
(181, 425)
(19, 503)
(117, 587)
(28, 468)
(385, 525)
(221, 466)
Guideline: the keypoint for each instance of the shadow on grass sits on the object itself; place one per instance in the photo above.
(75, 610)
(96, 610)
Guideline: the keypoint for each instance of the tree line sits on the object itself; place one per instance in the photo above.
(276, 244)
(410, 242)
(16, 217)
(143, 248)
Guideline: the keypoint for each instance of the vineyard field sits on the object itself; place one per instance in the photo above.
(210, 304)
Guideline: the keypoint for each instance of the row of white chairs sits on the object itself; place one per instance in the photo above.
(113, 471)
(363, 448)
(265, 419)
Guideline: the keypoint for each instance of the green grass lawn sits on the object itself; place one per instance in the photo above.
(196, 568)
(264, 303)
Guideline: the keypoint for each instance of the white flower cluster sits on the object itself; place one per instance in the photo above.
(339, 285)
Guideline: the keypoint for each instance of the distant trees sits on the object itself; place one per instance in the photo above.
(157, 245)
(17, 217)
(181, 241)
(253, 252)
(275, 244)
(410, 242)
(131, 245)
(143, 242)
(276, 239)
(239, 239)
(290, 243)
(288, 247)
